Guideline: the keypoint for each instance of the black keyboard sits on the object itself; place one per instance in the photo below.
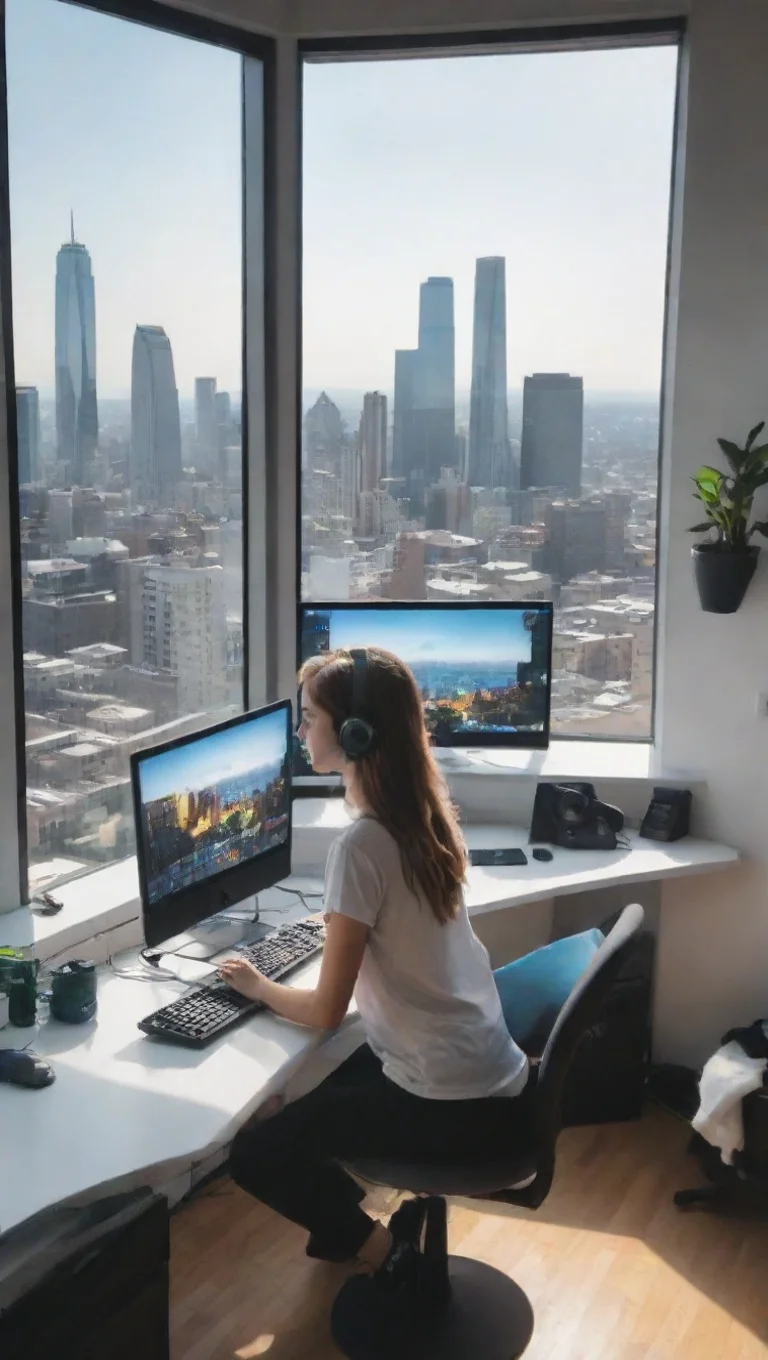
(200, 1016)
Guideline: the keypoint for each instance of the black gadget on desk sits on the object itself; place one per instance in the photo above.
(572, 816)
(669, 815)
(19, 1067)
(497, 859)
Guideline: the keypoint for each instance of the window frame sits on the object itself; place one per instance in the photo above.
(554, 37)
(258, 312)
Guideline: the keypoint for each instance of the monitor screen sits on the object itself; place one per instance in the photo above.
(483, 669)
(212, 811)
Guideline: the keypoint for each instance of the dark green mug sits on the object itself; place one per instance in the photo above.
(20, 982)
(73, 992)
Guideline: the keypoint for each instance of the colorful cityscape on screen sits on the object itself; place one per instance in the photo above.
(214, 802)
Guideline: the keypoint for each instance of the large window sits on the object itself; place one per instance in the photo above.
(485, 247)
(126, 188)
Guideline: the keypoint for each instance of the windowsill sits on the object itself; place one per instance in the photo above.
(564, 759)
(98, 904)
(102, 911)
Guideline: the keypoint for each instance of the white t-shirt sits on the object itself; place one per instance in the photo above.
(425, 991)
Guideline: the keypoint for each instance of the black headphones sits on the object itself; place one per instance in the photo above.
(357, 737)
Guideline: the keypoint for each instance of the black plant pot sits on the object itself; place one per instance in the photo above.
(722, 577)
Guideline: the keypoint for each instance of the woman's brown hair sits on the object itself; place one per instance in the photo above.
(399, 778)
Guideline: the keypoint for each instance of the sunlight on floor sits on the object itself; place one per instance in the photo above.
(258, 1347)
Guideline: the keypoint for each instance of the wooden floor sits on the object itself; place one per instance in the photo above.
(613, 1269)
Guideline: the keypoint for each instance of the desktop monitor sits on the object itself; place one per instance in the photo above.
(484, 669)
(213, 822)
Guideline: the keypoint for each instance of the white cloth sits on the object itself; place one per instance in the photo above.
(728, 1076)
(425, 991)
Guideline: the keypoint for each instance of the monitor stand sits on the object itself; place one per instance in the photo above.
(456, 759)
(224, 931)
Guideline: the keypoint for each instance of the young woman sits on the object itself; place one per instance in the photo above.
(439, 1075)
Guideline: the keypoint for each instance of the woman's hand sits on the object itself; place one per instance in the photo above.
(243, 977)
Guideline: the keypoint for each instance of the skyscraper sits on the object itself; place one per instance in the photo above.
(424, 440)
(206, 434)
(323, 433)
(77, 424)
(155, 464)
(553, 432)
(28, 432)
(436, 384)
(373, 441)
(406, 361)
(490, 462)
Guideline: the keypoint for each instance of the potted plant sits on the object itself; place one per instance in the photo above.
(725, 563)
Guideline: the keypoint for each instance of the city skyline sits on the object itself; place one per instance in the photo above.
(421, 635)
(248, 747)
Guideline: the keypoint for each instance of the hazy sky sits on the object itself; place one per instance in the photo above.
(560, 162)
(139, 133)
(248, 746)
(425, 635)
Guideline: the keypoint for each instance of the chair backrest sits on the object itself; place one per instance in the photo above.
(580, 1012)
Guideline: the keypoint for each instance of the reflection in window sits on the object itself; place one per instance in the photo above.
(484, 246)
(125, 164)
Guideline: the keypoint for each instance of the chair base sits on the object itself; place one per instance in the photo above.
(487, 1316)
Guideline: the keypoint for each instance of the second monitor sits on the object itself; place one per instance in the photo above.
(484, 670)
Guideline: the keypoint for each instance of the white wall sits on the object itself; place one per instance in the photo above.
(714, 956)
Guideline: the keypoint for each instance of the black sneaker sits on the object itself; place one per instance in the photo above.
(401, 1269)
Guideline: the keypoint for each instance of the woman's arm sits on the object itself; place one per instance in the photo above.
(325, 1006)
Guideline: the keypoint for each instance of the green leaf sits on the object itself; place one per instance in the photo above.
(752, 436)
(733, 453)
(708, 486)
(701, 528)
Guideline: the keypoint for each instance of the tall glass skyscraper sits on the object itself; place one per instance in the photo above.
(155, 465)
(406, 363)
(77, 424)
(424, 436)
(553, 432)
(28, 434)
(206, 435)
(490, 461)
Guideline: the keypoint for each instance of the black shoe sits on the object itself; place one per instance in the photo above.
(402, 1266)
(315, 1247)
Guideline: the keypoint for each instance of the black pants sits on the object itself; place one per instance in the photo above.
(290, 1162)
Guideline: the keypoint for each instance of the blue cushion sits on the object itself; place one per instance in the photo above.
(534, 989)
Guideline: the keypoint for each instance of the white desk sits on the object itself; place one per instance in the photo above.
(124, 1108)
(576, 871)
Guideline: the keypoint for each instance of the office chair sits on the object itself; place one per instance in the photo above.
(484, 1315)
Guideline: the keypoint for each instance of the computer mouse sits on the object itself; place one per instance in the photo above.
(20, 1068)
(542, 855)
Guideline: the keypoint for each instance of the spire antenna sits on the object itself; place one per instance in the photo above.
(72, 225)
